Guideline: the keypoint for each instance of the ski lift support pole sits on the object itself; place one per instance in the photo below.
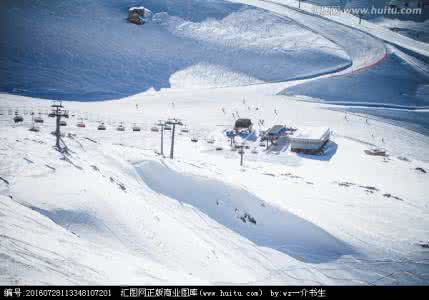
(162, 125)
(241, 152)
(57, 108)
(173, 122)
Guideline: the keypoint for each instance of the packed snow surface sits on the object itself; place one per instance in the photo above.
(415, 30)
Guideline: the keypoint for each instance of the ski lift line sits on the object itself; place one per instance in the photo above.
(88, 116)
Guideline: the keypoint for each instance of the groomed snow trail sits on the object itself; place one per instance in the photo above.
(363, 49)
(371, 28)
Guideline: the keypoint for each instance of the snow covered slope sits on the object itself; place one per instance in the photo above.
(363, 49)
(323, 220)
(392, 83)
(374, 29)
(415, 30)
(94, 54)
(381, 76)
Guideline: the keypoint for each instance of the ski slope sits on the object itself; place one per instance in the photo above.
(381, 76)
(399, 82)
(323, 220)
(364, 50)
(94, 54)
(415, 30)
(369, 27)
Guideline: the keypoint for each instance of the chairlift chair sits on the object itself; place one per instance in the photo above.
(120, 127)
(54, 133)
(63, 123)
(101, 127)
(154, 129)
(81, 124)
(136, 128)
(18, 119)
(194, 140)
(38, 119)
(35, 128)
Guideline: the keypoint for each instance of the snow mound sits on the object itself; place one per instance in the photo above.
(261, 32)
(208, 75)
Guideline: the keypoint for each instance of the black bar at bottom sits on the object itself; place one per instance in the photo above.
(272, 292)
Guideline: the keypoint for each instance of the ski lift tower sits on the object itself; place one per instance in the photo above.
(162, 125)
(59, 112)
(241, 152)
(173, 122)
